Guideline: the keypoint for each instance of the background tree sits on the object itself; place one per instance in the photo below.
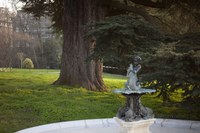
(5, 37)
(4, 48)
(28, 39)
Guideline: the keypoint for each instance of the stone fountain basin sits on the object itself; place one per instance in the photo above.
(109, 125)
(140, 91)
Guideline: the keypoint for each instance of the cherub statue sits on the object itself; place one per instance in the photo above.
(133, 83)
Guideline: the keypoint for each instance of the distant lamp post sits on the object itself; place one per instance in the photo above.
(21, 57)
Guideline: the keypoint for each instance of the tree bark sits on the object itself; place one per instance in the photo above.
(74, 70)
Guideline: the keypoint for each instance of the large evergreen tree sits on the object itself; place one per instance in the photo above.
(70, 16)
(74, 69)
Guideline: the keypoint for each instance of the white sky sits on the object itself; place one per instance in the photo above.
(7, 3)
(4, 3)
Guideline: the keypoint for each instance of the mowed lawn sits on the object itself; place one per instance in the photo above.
(28, 99)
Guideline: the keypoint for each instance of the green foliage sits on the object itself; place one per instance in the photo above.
(27, 63)
(119, 36)
(176, 65)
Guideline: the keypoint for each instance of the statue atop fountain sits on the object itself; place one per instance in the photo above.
(133, 81)
(134, 111)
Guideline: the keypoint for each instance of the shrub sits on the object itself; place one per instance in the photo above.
(27, 63)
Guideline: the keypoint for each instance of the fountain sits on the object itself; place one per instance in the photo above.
(134, 117)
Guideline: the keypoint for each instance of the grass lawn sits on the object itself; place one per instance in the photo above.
(28, 99)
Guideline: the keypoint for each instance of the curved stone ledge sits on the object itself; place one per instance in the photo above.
(109, 125)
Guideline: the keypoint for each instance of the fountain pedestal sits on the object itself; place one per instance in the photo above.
(134, 110)
(134, 117)
(141, 126)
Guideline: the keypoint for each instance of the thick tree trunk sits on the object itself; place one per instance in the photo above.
(74, 70)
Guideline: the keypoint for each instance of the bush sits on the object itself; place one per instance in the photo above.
(27, 63)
